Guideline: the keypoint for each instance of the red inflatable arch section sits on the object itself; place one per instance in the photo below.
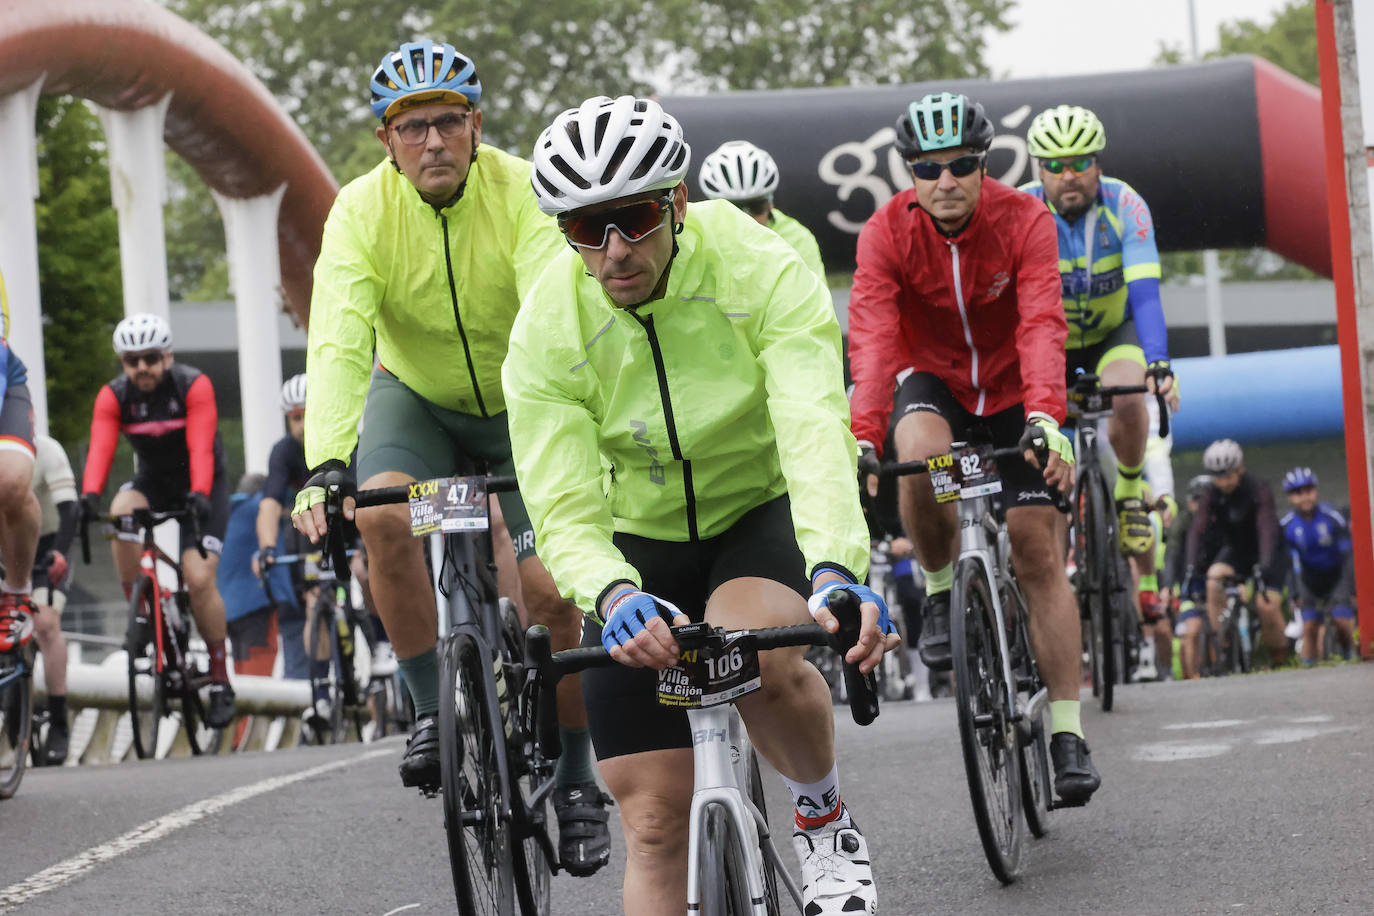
(126, 54)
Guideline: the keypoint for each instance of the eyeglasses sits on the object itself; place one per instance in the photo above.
(929, 170)
(416, 130)
(1078, 165)
(132, 360)
(634, 222)
(756, 207)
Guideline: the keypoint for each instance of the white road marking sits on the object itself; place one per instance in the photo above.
(402, 909)
(1307, 719)
(1294, 735)
(1213, 723)
(68, 870)
(1169, 751)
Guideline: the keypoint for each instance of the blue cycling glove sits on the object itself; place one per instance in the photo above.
(628, 613)
(865, 595)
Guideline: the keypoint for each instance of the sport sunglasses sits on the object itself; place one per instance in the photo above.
(132, 360)
(928, 170)
(1078, 165)
(634, 222)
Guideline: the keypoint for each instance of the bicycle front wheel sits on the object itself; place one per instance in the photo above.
(1097, 567)
(531, 848)
(1032, 734)
(724, 868)
(476, 801)
(144, 677)
(16, 717)
(986, 730)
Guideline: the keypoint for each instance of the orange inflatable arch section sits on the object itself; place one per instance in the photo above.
(126, 54)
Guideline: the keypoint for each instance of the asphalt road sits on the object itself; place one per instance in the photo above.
(1245, 795)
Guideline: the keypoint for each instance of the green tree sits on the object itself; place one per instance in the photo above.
(78, 262)
(1290, 41)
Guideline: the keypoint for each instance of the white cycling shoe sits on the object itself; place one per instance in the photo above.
(836, 875)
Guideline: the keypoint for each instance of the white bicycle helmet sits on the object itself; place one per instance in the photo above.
(604, 149)
(293, 393)
(1222, 456)
(738, 170)
(143, 331)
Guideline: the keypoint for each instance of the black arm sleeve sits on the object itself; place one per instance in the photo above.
(278, 474)
(1266, 523)
(69, 512)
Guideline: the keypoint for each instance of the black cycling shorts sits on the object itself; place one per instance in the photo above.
(165, 495)
(1022, 484)
(16, 419)
(1332, 587)
(623, 714)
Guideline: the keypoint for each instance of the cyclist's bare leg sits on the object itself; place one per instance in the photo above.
(654, 792)
(1311, 639)
(1037, 539)
(1190, 645)
(20, 517)
(397, 572)
(1216, 592)
(126, 552)
(932, 527)
(207, 606)
(789, 718)
(1129, 423)
(316, 632)
(1163, 633)
(47, 631)
(564, 620)
(1269, 607)
(1345, 632)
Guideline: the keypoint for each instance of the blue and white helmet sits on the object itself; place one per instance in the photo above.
(1298, 478)
(420, 73)
(144, 331)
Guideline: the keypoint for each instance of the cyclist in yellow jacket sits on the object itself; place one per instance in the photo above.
(680, 431)
(426, 257)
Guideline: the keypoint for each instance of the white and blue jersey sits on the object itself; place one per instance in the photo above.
(1109, 268)
(1319, 544)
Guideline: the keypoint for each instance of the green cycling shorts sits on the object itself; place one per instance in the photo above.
(1120, 343)
(404, 432)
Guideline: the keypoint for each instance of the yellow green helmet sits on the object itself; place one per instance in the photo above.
(1067, 130)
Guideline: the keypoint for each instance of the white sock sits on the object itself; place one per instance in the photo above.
(7, 589)
(818, 803)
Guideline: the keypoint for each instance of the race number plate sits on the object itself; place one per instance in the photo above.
(448, 504)
(711, 675)
(967, 472)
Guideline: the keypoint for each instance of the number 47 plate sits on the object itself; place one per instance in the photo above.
(966, 472)
(448, 504)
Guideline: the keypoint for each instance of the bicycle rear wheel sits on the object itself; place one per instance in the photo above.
(16, 717)
(986, 730)
(531, 849)
(144, 677)
(476, 800)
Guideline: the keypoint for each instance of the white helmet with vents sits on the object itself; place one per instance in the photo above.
(738, 170)
(144, 331)
(1222, 456)
(293, 393)
(605, 149)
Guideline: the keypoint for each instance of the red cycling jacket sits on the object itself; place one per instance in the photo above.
(982, 310)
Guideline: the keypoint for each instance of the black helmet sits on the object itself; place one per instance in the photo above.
(943, 121)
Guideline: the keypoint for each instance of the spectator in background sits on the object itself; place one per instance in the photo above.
(1318, 538)
(55, 487)
(253, 620)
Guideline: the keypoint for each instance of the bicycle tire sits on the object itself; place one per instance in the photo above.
(989, 745)
(724, 877)
(1033, 738)
(1099, 550)
(141, 643)
(339, 672)
(16, 718)
(531, 847)
(1246, 644)
(474, 783)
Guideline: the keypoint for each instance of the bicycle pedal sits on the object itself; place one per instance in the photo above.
(1056, 803)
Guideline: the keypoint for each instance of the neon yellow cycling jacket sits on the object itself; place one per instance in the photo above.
(438, 290)
(673, 421)
(801, 240)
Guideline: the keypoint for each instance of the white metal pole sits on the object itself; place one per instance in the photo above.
(19, 239)
(1211, 263)
(138, 184)
(250, 230)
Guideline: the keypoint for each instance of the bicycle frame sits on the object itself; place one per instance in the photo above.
(718, 740)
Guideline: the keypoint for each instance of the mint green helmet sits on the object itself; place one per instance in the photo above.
(1065, 131)
(942, 121)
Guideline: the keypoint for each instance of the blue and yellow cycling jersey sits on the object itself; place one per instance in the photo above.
(1109, 268)
(12, 370)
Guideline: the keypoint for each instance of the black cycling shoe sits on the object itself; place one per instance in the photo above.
(1075, 777)
(55, 749)
(584, 840)
(934, 642)
(420, 763)
(220, 711)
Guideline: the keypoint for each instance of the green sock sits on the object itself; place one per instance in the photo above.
(575, 764)
(1149, 583)
(1064, 717)
(422, 680)
(939, 580)
(1128, 482)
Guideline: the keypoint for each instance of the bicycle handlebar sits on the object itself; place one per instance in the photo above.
(142, 517)
(385, 496)
(553, 666)
(1087, 384)
(906, 468)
